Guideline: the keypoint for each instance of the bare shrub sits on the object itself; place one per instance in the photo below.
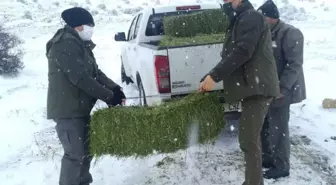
(102, 6)
(113, 12)
(56, 3)
(10, 57)
(22, 1)
(28, 15)
(94, 12)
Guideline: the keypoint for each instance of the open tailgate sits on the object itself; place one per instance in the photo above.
(189, 64)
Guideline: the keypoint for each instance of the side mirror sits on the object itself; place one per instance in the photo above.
(120, 36)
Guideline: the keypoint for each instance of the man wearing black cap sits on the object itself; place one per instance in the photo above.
(248, 72)
(75, 84)
(288, 44)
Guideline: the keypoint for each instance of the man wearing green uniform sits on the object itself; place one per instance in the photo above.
(249, 74)
(75, 84)
(288, 47)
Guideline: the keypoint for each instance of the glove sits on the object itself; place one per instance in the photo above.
(118, 97)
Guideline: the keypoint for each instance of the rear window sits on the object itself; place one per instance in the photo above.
(155, 24)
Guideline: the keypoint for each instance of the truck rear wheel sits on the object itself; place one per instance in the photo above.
(142, 94)
(124, 77)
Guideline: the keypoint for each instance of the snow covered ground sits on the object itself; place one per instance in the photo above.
(29, 149)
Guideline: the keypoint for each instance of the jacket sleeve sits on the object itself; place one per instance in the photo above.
(248, 31)
(106, 81)
(67, 55)
(293, 53)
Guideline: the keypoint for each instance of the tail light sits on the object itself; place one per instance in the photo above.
(193, 7)
(162, 72)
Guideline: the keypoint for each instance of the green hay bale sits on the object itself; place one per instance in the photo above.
(180, 26)
(329, 103)
(212, 22)
(207, 22)
(169, 41)
(139, 131)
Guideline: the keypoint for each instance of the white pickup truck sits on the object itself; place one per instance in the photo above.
(162, 73)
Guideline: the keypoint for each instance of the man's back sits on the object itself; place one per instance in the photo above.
(257, 75)
(288, 52)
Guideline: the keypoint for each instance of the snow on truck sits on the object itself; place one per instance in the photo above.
(162, 73)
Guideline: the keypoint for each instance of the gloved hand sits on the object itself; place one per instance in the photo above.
(118, 97)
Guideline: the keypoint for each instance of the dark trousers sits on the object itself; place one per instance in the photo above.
(251, 122)
(74, 134)
(275, 137)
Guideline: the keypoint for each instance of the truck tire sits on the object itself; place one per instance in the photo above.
(124, 77)
(142, 94)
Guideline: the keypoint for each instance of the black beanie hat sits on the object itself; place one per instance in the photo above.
(77, 17)
(269, 9)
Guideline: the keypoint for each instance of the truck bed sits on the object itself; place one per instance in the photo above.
(155, 45)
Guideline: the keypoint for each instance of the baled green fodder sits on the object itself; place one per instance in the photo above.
(170, 41)
(207, 22)
(140, 131)
(329, 103)
(180, 26)
(212, 22)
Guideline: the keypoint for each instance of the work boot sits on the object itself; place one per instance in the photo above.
(274, 173)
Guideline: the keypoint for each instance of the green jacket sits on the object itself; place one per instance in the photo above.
(247, 67)
(75, 81)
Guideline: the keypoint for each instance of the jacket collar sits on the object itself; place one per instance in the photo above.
(89, 44)
(244, 6)
(72, 31)
(275, 28)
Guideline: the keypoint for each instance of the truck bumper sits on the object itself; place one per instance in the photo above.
(152, 101)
